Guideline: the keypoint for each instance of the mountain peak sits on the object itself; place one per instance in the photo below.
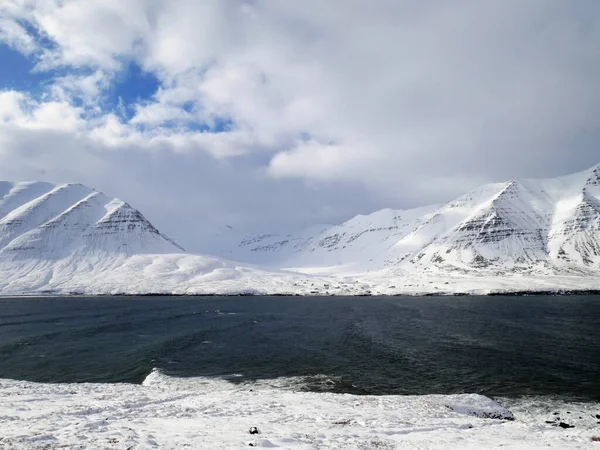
(41, 220)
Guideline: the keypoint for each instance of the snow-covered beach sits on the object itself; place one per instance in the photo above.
(204, 413)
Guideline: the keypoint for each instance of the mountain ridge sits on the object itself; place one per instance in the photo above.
(526, 235)
(513, 225)
(73, 214)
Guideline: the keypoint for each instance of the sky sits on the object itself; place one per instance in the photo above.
(272, 115)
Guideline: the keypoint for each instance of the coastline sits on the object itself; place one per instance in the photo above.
(165, 412)
(516, 293)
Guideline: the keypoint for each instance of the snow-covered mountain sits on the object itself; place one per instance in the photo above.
(40, 220)
(356, 241)
(518, 226)
(72, 239)
(520, 235)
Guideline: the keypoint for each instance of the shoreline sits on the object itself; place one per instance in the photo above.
(165, 412)
(516, 293)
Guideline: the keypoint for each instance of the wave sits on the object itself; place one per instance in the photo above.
(237, 382)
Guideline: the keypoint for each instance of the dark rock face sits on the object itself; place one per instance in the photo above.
(502, 227)
(498, 415)
(594, 179)
(580, 233)
(125, 218)
(127, 229)
(493, 412)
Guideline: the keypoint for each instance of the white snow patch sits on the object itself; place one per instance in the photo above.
(203, 413)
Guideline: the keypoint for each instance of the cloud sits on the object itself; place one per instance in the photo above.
(98, 33)
(11, 106)
(187, 195)
(20, 111)
(400, 103)
(14, 35)
(318, 161)
(86, 88)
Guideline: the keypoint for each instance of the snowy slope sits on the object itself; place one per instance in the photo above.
(521, 226)
(550, 225)
(72, 239)
(353, 242)
(72, 218)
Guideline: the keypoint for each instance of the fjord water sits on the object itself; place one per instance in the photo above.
(496, 346)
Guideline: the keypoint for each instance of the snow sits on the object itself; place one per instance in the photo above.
(521, 235)
(540, 227)
(193, 274)
(171, 413)
(349, 244)
(16, 194)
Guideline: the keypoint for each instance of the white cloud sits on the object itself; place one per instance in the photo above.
(95, 33)
(87, 88)
(14, 35)
(158, 114)
(20, 111)
(313, 160)
(11, 106)
(58, 116)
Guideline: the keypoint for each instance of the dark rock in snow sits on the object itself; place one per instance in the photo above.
(565, 425)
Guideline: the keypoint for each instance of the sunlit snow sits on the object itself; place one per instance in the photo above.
(171, 413)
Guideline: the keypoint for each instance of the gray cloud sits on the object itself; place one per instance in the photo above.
(189, 196)
(338, 108)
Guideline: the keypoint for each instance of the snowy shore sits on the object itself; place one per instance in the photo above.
(202, 413)
(196, 275)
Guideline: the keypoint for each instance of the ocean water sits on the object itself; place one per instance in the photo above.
(495, 346)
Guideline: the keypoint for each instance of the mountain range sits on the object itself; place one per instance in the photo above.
(520, 235)
(516, 226)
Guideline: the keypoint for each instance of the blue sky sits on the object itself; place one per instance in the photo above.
(16, 71)
(279, 115)
(129, 86)
(132, 85)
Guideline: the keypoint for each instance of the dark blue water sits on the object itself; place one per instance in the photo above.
(498, 346)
